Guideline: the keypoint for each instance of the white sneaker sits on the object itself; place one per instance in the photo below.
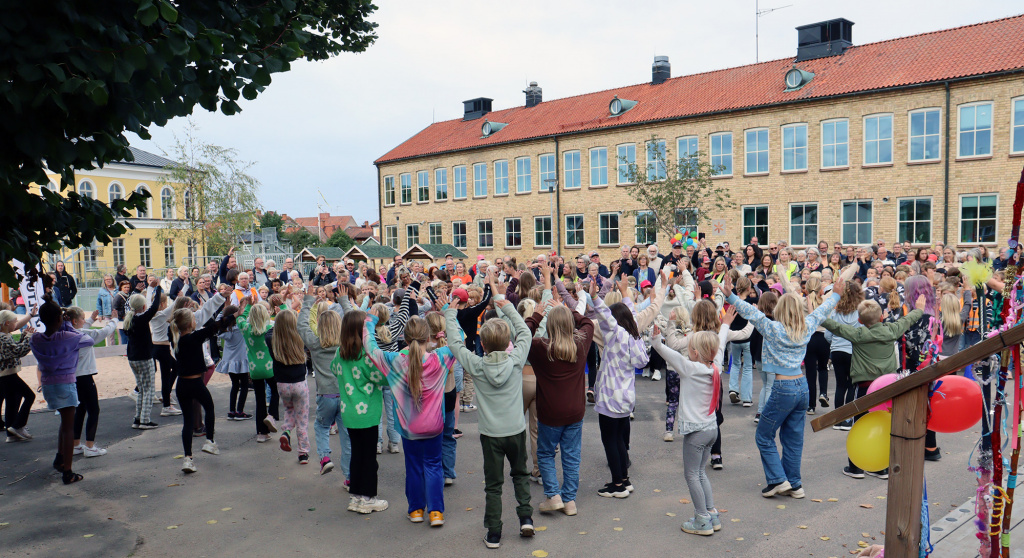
(262, 438)
(271, 425)
(393, 447)
(188, 467)
(334, 430)
(656, 376)
(646, 373)
(448, 481)
(210, 447)
(669, 436)
(353, 503)
(78, 449)
(370, 505)
(380, 448)
(94, 451)
(170, 411)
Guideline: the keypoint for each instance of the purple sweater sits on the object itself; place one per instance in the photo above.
(57, 354)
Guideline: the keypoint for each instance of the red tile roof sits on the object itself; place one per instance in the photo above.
(972, 50)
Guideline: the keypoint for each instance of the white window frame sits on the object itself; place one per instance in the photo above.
(650, 233)
(456, 235)
(816, 224)
(858, 223)
(747, 152)
(405, 179)
(430, 233)
(1015, 125)
(117, 246)
(518, 221)
(627, 150)
(409, 236)
(501, 177)
(657, 171)
(441, 184)
(391, 236)
(722, 155)
(389, 187)
(891, 139)
(539, 230)
(167, 202)
(111, 189)
(572, 168)
(524, 175)
(685, 151)
(478, 181)
(480, 234)
(991, 130)
(925, 136)
(582, 231)
(455, 182)
(915, 221)
(148, 203)
(551, 173)
(836, 145)
(90, 186)
(960, 219)
(601, 228)
(744, 239)
(145, 253)
(598, 172)
(796, 148)
(169, 256)
(423, 187)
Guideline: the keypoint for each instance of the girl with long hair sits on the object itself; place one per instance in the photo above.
(88, 398)
(140, 352)
(254, 323)
(915, 343)
(766, 304)
(105, 303)
(289, 360)
(235, 363)
(388, 333)
(453, 385)
(17, 396)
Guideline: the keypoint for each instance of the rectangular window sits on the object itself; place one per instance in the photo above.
(434, 234)
(1017, 127)
(412, 235)
(405, 180)
(857, 221)
(755, 223)
(978, 218)
(389, 190)
(794, 147)
(803, 224)
(656, 160)
(548, 173)
(574, 230)
(89, 257)
(915, 220)
(599, 166)
(756, 145)
(523, 177)
(422, 187)
(169, 253)
(440, 184)
(460, 182)
(687, 219)
(625, 158)
(878, 139)
(479, 180)
(391, 236)
(192, 252)
(975, 138)
(485, 234)
(542, 231)
(835, 144)
(686, 151)
(924, 135)
(513, 233)
(646, 228)
(118, 245)
(721, 154)
(608, 229)
(144, 258)
(571, 160)
(459, 235)
(500, 178)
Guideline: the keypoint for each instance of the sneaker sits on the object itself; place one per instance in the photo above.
(242, 416)
(269, 422)
(416, 516)
(656, 376)
(734, 397)
(535, 478)
(646, 373)
(134, 394)
(201, 433)
(846, 425)
(12, 439)
(436, 519)
(570, 508)
(611, 490)
(303, 459)
(347, 485)
(716, 463)
(188, 466)
(796, 492)
(777, 488)
(353, 503)
(590, 397)
(716, 520)
(211, 448)
(853, 472)
(78, 449)
(23, 433)
(334, 430)
(147, 425)
(747, 404)
(932, 455)
(262, 438)
(883, 474)
(326, 466)
(526, 526)
(457, 434)
(810, 411)
(553, 503)
(699, 525)
(757, 418)
(823, 400)
(370, 505)
(449, 481)
(380, 448)
(171, 411)
(492, 540)
(629, 485)
(94, 451)
(286, 441)
(669, 436)
(393, 447)
(135, 424)
(467, 409)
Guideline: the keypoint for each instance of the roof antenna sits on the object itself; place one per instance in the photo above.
(758, 12)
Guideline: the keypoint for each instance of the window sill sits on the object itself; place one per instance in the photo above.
(973, 158)
(505, 195)
(475, 197)
(754, 174)
(598, 187)
(832, 169)
(513, 247)
(1012, 155)
(406, 203)
(545, 246)
(721, 177)
(924, 162)
(440, 200)
(626, 184)
(616, 245)
(482, 249)
(567, 189)
(458, 199)
(422, 202)
(523, 193)
(875, 165)
(795, 171)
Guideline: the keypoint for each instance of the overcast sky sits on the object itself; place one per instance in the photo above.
(321, 125)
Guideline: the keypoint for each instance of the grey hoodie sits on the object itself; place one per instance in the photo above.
(326, 381)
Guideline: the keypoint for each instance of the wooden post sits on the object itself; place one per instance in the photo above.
(906, 473)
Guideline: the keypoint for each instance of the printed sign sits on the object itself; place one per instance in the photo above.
(31, 291)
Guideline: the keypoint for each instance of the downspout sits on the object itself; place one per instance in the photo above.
(945, 178)
(380, 208)
(557, 218)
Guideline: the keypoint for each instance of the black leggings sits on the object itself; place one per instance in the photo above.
(239, 391)
(816, 364)
(363, 465)
(162, 354)
(260, 393)
(18, 398)
(88, 403)
(716, 448)
(593, 361)
(192, 392)
(615, 437)
(846, 392)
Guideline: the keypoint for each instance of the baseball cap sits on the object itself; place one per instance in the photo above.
(677, 244)
(480, 257)
(644, 284)
(594, 253)
(461, 294)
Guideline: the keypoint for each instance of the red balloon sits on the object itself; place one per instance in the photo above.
(956, 405)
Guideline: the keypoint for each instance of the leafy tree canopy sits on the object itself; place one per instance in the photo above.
(302, 239)
(272, 219)
(74, 76)
(340, 239)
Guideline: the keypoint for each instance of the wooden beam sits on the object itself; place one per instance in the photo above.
(987, 347)
(906, 473)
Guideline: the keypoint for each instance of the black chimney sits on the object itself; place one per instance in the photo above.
(822, 39)
(475, 108)
(533, 95)
(660, 70)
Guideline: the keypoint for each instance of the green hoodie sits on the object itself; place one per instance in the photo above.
(497, 376)
(873, 351)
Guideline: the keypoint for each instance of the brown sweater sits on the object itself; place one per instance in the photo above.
(560, 385)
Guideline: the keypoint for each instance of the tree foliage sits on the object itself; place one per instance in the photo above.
(302, 238)
(677, 192)
(272, 219)
(340, 239)
(74, 76)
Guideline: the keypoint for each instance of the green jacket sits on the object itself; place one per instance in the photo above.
(261, 366)
(874, 352)
(359, 383)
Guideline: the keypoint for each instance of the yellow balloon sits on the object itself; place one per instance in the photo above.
(867, 444)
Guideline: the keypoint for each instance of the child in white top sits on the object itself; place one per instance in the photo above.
(88, 398)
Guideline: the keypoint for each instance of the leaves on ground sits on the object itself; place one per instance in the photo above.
(225, 509)
(173, 484)
(169, 527)
(89, 536)
(211, 522)
(618, 528)
(781, 506)
(880, 497)
(657, 490)
(862, 544)
(144, 496)
(818, 500)
(542, 528)
(866, 535)
(867, 506)
(739, 538)
(735, 520)
(582, 532)
(539, 553)
(766, 534)
(825, 538)
(469, 509)
(803, 526)
(833, 499)
(616, 519)
(179, 456)
(684, 501)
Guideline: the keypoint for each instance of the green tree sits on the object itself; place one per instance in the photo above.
(272, 219)
(75, 76)
(340, 239)
(302, 239)
(674, 193)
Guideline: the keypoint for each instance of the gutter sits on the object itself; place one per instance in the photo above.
(945, 178)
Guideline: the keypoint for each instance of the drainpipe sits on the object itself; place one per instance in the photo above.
(380, 206)
(556, 226)
(945, 178)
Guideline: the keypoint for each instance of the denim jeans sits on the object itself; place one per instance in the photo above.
(448, 445)
(741, 381)
(570, 438)
(784, 413)
(424, 480)
(328, 411)
(767, 379)
(389, 418)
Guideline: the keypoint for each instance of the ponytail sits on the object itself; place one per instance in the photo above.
(416, 332)
(136, 304)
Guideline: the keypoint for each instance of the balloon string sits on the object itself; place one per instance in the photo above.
(906, 438)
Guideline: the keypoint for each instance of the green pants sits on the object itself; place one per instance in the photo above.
(496, 450)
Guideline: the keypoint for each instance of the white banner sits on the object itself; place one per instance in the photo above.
(31, 291)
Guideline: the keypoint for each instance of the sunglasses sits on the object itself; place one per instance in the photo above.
(773, 249)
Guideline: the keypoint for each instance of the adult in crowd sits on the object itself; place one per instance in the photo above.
(260, 276)
(602, 270)
(181, 285)
(65, 283)
(322, 273)
(227, 264)
(286, 271)
(121, 275)
(139, 280)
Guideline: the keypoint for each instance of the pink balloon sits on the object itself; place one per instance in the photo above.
(879, 383)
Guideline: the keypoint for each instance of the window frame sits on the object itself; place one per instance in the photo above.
(409, 236)
(403, 186)
(477, 180)
(519, 222)
(550, 174)
(1013, 125)
(456, 235)
(747, 152)
(865, 141)
(835, 145)
(430, 233)
(910, 136)
(480, 234)
(804, 225)
(110, 191)
(148, 203)
(167, 201)
(796, 149)
(690, 154)
(169, 251)
(730, 156)
(389, 188)
(744, 238)
(455, 182)
(539, 230)
(117, 251)
(91, 187)
(650, 233)
(520, 175)
(145, 253)
(501, 164)
(991, 130)
(620, 167)
(567, 183)
(424, 188)
(391, 232)
(598, 170)
(440, 184)
(602, 229)
(960, 219)
(581, 231)
(915, 221)
(657, 170)
(858, 223)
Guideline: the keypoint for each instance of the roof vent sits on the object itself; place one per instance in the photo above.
(475, 108)
(533, 95)
(489, 127)
(825, 38)
(661, 70)
(619, 106)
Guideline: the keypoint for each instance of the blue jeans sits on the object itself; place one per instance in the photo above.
(785, 412)
(741, 382)
(424, 479)
(767, 379)
(328, 411)
(389, 418)
(570, 438)
(448, 444)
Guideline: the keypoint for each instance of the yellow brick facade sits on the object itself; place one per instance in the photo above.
(882, 185)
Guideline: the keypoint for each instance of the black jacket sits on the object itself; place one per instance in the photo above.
(67, 287)
(180, 287)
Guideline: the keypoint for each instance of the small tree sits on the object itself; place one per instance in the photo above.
(302, 239)
(674, 193)
(272, 219)
(340, 239)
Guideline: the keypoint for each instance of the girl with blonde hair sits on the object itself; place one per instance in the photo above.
(18, 397)
(88, 398)
(953, 314)
(140, 352)
(289, 360)
(254, 323)
(388, 334)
